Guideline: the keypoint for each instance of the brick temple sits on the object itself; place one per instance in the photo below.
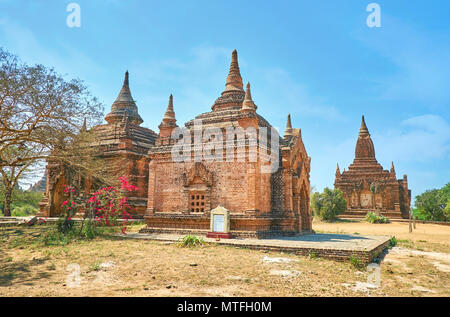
(264, 189)
(123, 146)
(368, 187)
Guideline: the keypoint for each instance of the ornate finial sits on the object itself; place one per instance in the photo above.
(288, 130)
(338, 171)
(234, 79)
(170, 105)
(126, 81)
(363, 129)
(248, 94)
(248, 104)
(392, 168)
(288, 123)
(169, 115)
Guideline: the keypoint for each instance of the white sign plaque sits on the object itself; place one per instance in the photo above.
(219, 223)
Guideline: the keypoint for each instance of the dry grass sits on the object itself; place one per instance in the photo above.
(148, 268)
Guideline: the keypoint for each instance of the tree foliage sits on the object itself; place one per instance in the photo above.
(329, 204)
(433, 204)
(41, 114)
(25, 202)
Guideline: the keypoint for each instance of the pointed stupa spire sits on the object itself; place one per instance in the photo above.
(392, 168)
(248, 104)
(124, 103)
(234, 79)
(338, 171)
(169, 115)
(288, 130)
(364, 149)
(233, 95)
(169, 120)
(363, 130)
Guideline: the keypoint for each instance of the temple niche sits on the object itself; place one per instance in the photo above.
(367, 187)
(182, 194)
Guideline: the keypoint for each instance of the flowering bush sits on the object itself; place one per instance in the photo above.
(69, 207)
(103, 208)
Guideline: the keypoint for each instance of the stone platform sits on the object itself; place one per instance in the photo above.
(335, 246)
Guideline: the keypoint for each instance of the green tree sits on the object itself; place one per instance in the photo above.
(329, 204)
(433, 204)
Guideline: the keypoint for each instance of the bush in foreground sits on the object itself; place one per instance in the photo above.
(374, 218)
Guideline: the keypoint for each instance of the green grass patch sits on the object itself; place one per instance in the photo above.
(191, 241)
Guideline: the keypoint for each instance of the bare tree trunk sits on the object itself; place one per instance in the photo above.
(7, 207)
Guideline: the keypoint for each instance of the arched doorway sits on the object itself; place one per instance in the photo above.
(304, 210)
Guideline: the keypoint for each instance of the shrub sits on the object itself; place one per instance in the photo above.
(392, 242)
(89, 229)
(374, 218)
(329, 204)
(103, 208)
(191, 241)
(23, 210)
(356, 262)
(65, 225)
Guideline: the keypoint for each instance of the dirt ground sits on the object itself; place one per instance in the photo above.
(110, 266)
(426, 237)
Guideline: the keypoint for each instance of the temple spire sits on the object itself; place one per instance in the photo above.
(168, 122)
(288, 130)
(392, 168)
(233, 95)
(363, 130)
(169, 115)
(124, 103)
(248, 104)
(364, 149)
(338, 171)
(234, 79)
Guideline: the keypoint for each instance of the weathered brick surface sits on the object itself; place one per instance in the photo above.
(260, 203)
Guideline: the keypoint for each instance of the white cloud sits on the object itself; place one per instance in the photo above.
(418, 139)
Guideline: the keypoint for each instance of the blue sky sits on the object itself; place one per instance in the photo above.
(317, 60)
